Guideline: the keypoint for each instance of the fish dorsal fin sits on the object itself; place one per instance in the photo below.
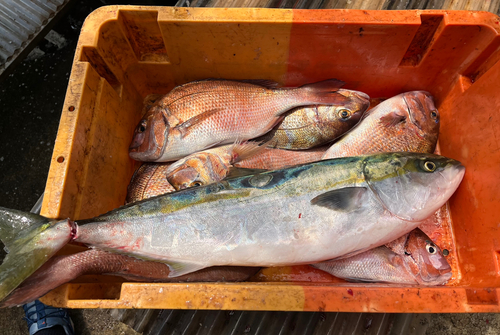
(267, 83)
(183, 127)
(241, 172)
(14, 223)
(392, 119)
(242, 151)
(345, 199)
(325, 85)
(262, 82)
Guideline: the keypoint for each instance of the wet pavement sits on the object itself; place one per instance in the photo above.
(31, 99)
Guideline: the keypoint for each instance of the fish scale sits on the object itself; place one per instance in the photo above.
(272, 159)
(233, 96)
(190, 94)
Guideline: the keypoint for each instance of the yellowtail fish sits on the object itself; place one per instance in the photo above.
(326, 209)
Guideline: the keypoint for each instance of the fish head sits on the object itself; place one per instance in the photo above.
(190, 172)
(150, 136)
(351, 111)
(423, 114)
(425, 260)
(412, 186)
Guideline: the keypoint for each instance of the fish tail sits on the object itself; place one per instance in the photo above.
(323, 92)
(30, 240)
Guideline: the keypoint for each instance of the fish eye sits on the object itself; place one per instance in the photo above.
(431, 248)
(195, 184)
(429, 166)
(344, 113)
(434, 114)
(142, 127)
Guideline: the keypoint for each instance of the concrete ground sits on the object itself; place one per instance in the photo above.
(31, 99)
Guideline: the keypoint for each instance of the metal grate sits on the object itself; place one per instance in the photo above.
(165, 322)
(21, 22)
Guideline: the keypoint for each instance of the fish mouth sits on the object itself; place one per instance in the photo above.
(454, 174)
(73, 230)
(441, 279)
(151, 146)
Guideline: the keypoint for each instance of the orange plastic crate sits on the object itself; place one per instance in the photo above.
(126, 53)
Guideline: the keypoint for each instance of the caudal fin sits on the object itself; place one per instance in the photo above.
(13, 223)
(30, 240)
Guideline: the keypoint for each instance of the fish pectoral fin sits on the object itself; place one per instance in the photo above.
(345, 199)
(392, 119)
(183, 128)
(241, 172)
(395, 260)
